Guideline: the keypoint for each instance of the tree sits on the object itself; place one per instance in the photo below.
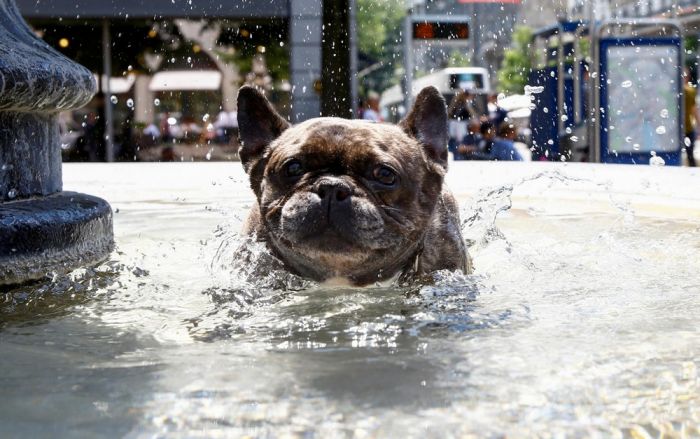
(516, 65)
(379, 41)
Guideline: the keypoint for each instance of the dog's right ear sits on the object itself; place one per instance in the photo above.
(258, 125)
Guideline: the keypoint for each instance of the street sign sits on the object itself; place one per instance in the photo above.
(439, 28)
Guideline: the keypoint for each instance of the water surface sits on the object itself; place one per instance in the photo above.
(580, 319)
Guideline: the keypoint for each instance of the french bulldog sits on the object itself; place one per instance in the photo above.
(352, 200)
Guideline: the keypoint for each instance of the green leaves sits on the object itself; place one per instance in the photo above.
(516, 65)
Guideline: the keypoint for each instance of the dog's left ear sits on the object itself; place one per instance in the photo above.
(258, 125)
(427, 123)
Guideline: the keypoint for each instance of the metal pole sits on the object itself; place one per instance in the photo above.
(353, 58)
(408, 61)
(107, 67)
(561, 79)
(593, 90)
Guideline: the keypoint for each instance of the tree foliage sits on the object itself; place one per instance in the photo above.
(458, 58)
(379, 41)
(516, 65)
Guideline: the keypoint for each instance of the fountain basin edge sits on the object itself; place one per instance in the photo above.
(56, 233)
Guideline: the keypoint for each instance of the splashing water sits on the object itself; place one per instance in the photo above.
(580, 318)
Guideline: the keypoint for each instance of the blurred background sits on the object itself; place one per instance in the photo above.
(543, 78)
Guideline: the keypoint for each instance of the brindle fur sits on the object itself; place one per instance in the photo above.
(377, 233)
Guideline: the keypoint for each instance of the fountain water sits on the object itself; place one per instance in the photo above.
(42, 229)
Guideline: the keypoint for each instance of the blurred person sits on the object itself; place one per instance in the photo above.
(226, 125)
(503, 147)
(150, 135)
(691, 117)
(190, 128)
(152, 131)
(95, 138)
(128, 148)
(458, 113)
(497, 114)
(165, 133)
(488, 135)
(467, 148)
(461, 106)
(371, 111)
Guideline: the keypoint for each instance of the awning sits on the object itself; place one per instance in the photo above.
(119, 84)
(173, 80)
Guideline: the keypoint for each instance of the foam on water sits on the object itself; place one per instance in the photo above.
(572, 324)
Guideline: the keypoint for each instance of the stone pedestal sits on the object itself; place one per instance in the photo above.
(41, 228)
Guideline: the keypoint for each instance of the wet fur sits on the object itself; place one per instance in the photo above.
(377, 233)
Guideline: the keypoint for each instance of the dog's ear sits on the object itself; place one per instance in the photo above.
(427, 123)
(258, 125)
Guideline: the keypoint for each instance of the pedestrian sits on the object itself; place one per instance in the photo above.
(503, 147)
(488, 135)
(461, 106)
(467, 148)
(497, 114)
(691, 117)
(371, 112)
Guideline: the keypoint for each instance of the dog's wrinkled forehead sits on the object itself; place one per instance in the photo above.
(344, 142)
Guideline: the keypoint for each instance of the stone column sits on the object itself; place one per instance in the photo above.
(336, 89)
(144, 108)
(42, 229)
(305, 20)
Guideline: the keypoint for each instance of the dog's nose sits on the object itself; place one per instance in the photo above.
(332, 189)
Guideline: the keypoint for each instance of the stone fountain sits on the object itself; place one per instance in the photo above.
(42, 228)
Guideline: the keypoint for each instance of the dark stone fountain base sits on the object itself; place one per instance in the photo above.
(56, 233)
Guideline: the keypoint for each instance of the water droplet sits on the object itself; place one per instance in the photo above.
(533, 89)
(130, 103)
(564, 118)
(661, 129)
(664, 113)
(626, 84)
(12, 193)
(114, 99)
(636, 147)
(628, 139)
(686, 141)
(655, 160)
(545, 110)
(156, 102)
(205, 117)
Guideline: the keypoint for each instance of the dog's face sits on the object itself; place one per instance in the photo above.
(344, 198)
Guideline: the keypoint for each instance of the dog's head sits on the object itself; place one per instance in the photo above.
(344, 198)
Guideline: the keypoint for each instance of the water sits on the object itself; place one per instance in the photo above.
(580, 320)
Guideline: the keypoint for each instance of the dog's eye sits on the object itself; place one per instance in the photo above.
(293, 169)
(384, 175)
